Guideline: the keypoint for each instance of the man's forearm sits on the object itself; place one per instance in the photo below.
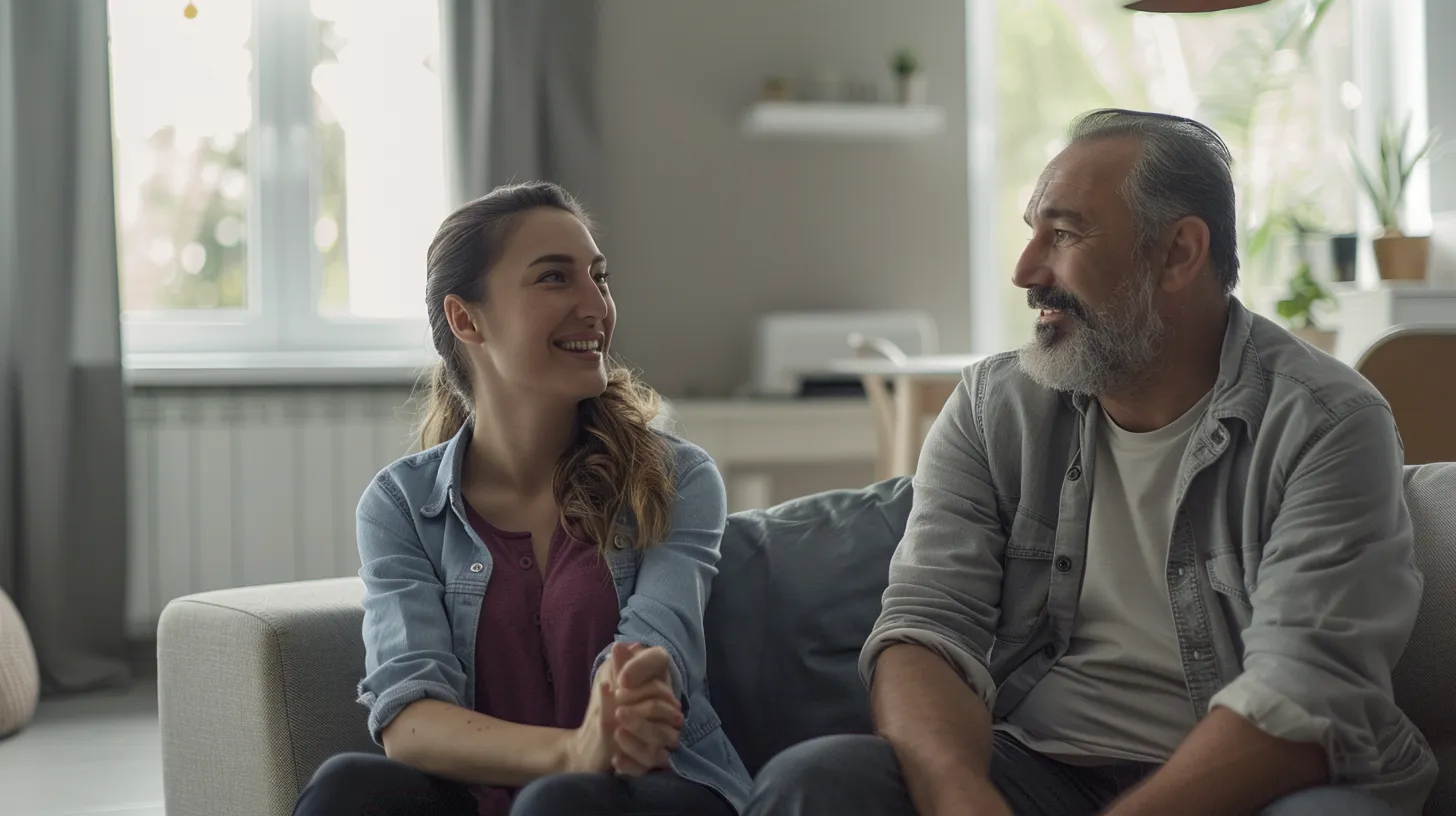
(939, 728)
(1226, 766)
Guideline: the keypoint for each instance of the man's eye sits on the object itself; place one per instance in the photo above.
(1061, 236)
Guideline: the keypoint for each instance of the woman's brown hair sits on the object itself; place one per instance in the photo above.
(617, 462)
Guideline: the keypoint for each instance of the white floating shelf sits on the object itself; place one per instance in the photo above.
(828, 120)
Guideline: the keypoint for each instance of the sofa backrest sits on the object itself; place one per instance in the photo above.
(1426, 675)
(797, 592)
(799, 589)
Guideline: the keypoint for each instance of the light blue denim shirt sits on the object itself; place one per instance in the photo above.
(426, 571)
(1291, 567)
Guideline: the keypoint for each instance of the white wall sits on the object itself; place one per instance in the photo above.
(706, 230)
(1441, 91)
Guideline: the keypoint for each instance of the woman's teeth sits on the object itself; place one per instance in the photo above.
(580, 345)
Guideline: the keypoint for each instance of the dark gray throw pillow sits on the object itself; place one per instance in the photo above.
(797, 592)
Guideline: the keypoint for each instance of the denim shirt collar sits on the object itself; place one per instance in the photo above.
(1238, 392)
(447, 480)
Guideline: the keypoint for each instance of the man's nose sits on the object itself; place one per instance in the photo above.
(1031, 268)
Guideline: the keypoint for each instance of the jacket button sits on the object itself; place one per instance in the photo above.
(525, 562)
(1218, 436)
(619, 541)
(1064, 564)
(477, 567)
(1074, 472)
(1050, 650)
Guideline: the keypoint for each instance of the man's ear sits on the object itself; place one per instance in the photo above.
(463, 320)
(1186, 254)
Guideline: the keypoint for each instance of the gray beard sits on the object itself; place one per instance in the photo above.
(1108, 352)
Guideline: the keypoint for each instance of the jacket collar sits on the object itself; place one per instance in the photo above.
(447, 479)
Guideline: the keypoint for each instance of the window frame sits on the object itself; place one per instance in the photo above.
(284, 266)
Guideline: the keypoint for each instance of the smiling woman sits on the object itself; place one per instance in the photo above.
(577, 542)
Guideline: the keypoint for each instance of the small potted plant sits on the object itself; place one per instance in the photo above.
(1305, 296)
(910, 87)
(1398, 256)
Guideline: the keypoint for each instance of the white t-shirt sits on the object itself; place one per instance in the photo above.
(1119, 692)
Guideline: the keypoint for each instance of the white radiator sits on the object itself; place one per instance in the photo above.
(250, 486)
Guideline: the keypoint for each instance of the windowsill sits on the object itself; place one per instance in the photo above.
(313, 368)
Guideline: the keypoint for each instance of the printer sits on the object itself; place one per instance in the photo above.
(792, 350)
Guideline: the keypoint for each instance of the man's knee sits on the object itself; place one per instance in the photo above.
(828, 774)
(567, 793)
(1331, 800)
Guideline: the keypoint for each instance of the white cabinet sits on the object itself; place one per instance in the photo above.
(1365, 314)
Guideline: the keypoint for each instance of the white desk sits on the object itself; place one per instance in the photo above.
(922, 383)
(745, 436)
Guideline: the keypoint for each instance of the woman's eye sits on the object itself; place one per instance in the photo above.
(601, 277)
(554, 277)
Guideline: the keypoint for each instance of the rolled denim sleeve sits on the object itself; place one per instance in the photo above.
(407, 647)
(1335, 599)
(673, 583)
(944, 588)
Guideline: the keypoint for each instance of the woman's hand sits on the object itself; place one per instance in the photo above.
(648, 716)
(590, 747)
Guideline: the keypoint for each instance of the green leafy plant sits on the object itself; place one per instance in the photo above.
(1385, 184)
(905, 63)
(1305, 293)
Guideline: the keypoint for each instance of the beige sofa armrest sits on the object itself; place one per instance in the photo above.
(256, 688)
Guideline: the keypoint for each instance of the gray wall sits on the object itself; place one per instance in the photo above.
(707, 230)
(1441, 92)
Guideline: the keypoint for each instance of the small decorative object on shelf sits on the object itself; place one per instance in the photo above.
(776, 89)
(190, 12)
(1397, 255)
(910, 85)
(1305, 295)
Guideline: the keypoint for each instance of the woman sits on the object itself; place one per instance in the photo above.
(535, 578)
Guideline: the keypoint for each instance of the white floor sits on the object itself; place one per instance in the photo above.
(96, 754)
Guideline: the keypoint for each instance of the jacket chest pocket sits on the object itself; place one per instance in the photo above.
(1025, 577)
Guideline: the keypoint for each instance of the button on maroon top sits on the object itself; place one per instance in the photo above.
(538, 635)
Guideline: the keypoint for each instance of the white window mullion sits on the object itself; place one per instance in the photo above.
(289, 257)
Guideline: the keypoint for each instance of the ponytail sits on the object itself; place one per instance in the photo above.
(445, 409)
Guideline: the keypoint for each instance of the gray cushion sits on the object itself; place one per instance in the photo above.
(797, 592)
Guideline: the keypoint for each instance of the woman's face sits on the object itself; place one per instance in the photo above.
(546, 321)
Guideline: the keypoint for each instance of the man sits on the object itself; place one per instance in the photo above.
(1159, 560)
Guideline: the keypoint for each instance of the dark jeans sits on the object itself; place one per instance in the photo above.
(372, 785)
(834, 776)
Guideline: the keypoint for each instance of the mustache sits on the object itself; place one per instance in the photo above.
(1045, 297)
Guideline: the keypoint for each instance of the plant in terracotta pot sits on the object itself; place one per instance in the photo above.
(909, 81)
(1398, 256)
(1306, 295)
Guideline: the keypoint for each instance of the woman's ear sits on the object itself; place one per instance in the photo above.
(463, 320)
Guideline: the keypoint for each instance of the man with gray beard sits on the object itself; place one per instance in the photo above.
(1159, 560)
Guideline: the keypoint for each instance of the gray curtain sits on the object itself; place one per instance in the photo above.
(521, 91)
(63, 468)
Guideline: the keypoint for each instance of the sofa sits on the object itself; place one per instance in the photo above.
(256, 686)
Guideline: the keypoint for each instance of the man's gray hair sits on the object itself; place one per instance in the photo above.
(1184, 170)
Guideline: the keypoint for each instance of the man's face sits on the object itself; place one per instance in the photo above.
(1098, 327)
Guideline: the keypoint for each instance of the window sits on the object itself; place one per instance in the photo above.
(1276, 81)
(279, 172)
